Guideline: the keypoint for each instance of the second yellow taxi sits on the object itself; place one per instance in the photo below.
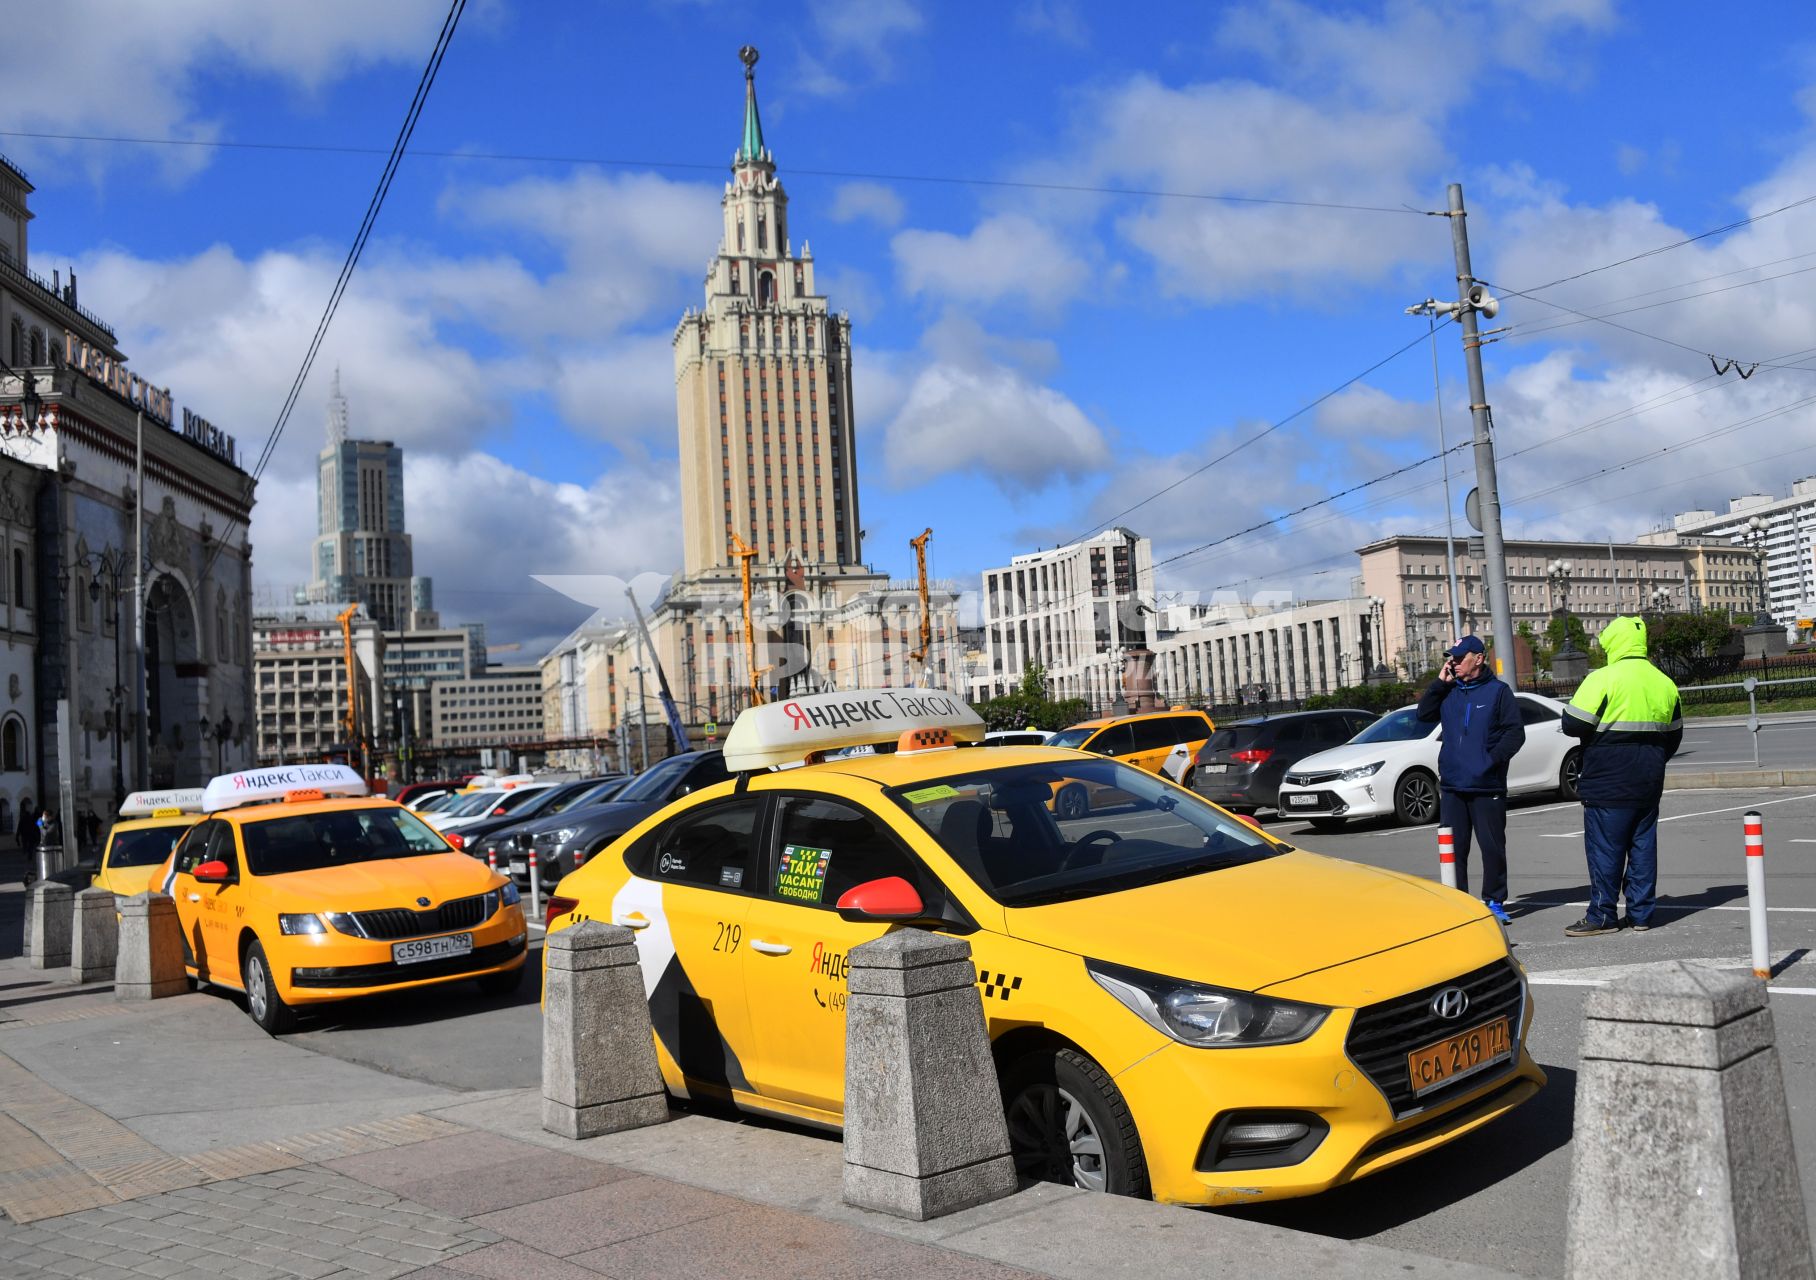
(139, 844)
(1179, 1004)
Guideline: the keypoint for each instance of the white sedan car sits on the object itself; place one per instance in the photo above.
(1391, 767)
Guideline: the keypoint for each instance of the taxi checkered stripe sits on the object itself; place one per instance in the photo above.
(999, 984)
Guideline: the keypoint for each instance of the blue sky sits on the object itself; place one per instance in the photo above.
(1030, 361)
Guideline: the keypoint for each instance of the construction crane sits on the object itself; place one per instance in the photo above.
(746, 553)
(919, 656)
(355, 740)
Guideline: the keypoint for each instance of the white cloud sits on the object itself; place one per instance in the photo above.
(623, 393)
(1007, 256)
(135, 69)
(864, 28)
(1062, 20)
(990, 420)
(868, 200)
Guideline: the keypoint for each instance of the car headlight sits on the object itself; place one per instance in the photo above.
(343, 922)
(1207, 1017)
(304, 923)
(510, 894)
(1361, 772)
(563, 836)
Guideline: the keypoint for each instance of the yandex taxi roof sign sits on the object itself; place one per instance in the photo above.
(786, 732)
(146, 804)
(249, 785)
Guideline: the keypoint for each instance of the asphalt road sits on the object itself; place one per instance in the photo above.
(1785, 741)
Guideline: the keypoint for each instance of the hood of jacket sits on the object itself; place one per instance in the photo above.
(1624, 638)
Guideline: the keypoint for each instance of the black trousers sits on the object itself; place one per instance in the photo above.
(1483, 817)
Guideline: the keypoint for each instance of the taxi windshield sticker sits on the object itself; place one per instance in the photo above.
(926, 795)
(801, 875)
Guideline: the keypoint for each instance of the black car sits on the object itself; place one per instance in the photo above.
(556, 843)
(495, 833)
(1241, 766)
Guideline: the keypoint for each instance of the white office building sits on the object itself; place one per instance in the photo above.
(1788, 533)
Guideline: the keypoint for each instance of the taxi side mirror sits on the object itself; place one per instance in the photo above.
(212, 872)
(891, 898)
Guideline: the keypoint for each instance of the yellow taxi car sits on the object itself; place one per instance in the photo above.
(138, 846)
(297, 887)
(1179, 1004)
(1162, 742)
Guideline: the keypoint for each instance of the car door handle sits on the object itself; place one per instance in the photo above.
(633, 920)
(770, 948)
(195, 897)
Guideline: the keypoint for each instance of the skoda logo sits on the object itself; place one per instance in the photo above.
(1450, 1003)
(423, 902)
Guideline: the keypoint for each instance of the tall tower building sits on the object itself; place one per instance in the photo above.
(763, 385)
(362, 551)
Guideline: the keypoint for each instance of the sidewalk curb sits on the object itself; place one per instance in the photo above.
(1738, 779)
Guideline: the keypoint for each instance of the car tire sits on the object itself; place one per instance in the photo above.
(1415, 798)
(1185, 779)
(263, 1002)
(1570, 775)
(1327, 824)
(1068, 1123)
(503, 984)
(1072, 802)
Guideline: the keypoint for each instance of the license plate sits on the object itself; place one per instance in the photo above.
(1461, 1055)
(1214, 768)
(519, 868)
(419, 949)
(1302, 802)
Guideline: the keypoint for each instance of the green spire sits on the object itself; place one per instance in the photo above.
(751, 150)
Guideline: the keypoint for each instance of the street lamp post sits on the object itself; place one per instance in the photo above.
(1757, 530)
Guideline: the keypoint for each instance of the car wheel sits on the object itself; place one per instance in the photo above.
(263, 1002)
(1570, 775)
(1415, 798)
(503, 984)
(1068, 1124)
(1185, 779)
(1073, 802)
(1328, 824)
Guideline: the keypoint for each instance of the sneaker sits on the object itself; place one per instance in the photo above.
(1587, 928)
(1499, 912)
(1635, 925)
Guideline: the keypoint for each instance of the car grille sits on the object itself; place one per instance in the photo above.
(401, 922)
(1311, 779)
(1383, 1034)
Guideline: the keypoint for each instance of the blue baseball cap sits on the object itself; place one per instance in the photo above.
(1468, 644)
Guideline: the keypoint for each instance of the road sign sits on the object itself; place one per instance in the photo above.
(1478, 549)
(711, 728)
(1472, 510)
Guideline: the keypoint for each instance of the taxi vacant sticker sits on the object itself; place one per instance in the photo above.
(802, 873)
(927, 794)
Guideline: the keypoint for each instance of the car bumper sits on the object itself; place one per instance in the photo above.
(1353, 1130)
(1230, 789)
(1367, 798)
(319, 967)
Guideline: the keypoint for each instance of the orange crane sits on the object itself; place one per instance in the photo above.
(746, 553)
(355, 740)
(919, 656)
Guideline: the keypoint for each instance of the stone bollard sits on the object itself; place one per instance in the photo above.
(150, 963)
(47, 924)
(1683, 1163)
(94, 935)
(924, 1128)
(599, 1072)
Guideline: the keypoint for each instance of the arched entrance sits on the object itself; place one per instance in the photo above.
(175, 685)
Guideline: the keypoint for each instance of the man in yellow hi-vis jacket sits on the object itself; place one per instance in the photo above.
(1631, 723)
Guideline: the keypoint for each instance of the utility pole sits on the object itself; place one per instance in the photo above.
(1494, 570)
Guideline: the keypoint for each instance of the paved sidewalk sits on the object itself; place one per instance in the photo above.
(176, 1139)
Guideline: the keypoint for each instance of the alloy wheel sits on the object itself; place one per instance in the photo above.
(1054, 1139)
(258, 995)
(1418, 798)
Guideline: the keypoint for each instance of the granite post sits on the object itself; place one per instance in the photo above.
(1683, 1163)
(924, 1129)
(94, 935)
(599, 1072)
(47, 924)
(150, 963)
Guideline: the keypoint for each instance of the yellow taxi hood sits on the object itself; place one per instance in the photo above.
(1250, 926)
(384, 882)
(127, 881)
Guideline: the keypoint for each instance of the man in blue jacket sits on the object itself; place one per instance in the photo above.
(1481, 734)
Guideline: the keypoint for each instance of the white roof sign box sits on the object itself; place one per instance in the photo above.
(786, 732)
(232, 789)
(143, 804)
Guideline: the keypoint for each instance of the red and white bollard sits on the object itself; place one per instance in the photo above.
(579, 859)
(1447, 858)
(492, 857)
(1756, 893)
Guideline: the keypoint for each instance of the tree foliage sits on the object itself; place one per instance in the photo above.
(1368, 697)
(1692, 646)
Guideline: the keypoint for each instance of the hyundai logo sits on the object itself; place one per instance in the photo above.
(423, 902)
(1450, 1003)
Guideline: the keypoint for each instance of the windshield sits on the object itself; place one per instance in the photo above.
(523, 802)
(546, 800)
(468, 805)
(1071, 738)
(1403, 725)
(653, 784)
(1044, 832)
(146, 847)
(1233, 738)
(308, 841)
(596, 794)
